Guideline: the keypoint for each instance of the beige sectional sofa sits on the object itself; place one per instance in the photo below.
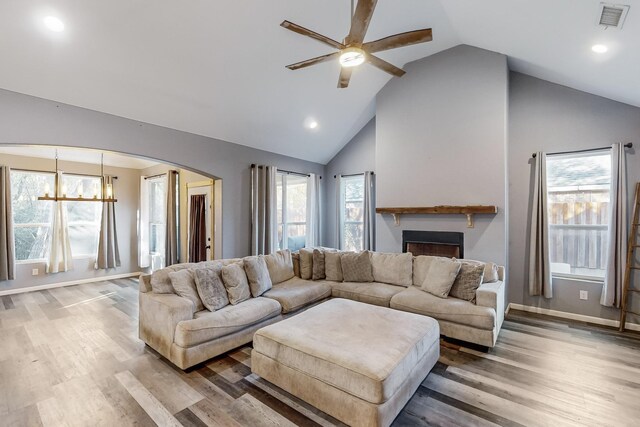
(170, 324)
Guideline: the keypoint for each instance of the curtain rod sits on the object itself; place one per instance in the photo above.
(159, 175)
(64, 173)
(253, 165)
(627, 145)
(353, 174)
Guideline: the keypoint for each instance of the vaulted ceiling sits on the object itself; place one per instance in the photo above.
(217, 68)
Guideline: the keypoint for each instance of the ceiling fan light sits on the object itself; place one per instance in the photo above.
(352, 57)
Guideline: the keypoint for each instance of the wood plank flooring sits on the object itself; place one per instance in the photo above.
(71, 357)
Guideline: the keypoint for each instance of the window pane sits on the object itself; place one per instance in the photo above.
(157, 215)
(83, 218)
(296, 199)
(31, 242)
(578, 196)
(352, 195)
(353, 236)
(291, 193)
(84, 238)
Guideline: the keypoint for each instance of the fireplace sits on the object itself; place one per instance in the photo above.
(436, 243)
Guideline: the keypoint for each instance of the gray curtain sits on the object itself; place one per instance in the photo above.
(338, 223)
(172, 244)
(108, 251)
(7, 249)
(198, 228)
(314, 228)
(369, 234)
(264, 227)
(617, 231)
(539, 262)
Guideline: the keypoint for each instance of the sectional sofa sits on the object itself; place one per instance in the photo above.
(171, 325)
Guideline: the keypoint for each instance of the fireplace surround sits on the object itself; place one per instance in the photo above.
(435, 243)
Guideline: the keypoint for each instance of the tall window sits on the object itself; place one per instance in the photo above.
(83, 218)
(291, 210)
(352, 212)
(157, 216)
(578, 199)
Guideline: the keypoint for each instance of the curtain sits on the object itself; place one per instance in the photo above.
(314, 229)
(144, 257)
(7, 249)
(338, 229)
(264, 226)
(369, 226)
(617, 231)
(197, 228)
(60, 257)
(108, 251)
(172, 244)
(539, 261)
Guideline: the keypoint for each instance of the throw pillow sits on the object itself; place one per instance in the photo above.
(280, 266)
(356, 267)
(160, 281)
(318, 265)
(333, 266)
(306, 263)
(440, 277)
(295, 257)
(392, 268)
(490, 270)
(258, 274)
(468, 281)
(184, 285)
(235, 281)
(210, 288)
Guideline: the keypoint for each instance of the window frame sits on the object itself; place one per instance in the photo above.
(343, 205)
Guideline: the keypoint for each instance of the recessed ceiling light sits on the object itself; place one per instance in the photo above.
(313, 124)
(54, 24)
(599, 48)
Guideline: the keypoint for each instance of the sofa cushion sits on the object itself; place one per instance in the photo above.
(297, 293)
(232, 318)
(454, 310)
(440, 277)
(210, 287)
(236, 283)
(295, 258)
(318, 265)
(392, 268)
(184, 284)
(369, 292)
(306, 263)
(280, 266)
(160, 281)
(257, 273)
(356, 267)
(333, 266)
(467, 282)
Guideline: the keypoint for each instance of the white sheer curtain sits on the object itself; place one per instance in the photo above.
(144, 256)
(369, 222)
(539, 261)
(7, 249)
(314, 228)
(338, 221)
(264, 227)
(60, 257)
(617, 231)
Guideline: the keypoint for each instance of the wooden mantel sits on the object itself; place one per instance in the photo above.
(469, 211)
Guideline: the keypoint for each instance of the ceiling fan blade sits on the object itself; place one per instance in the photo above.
(307, 32)
(360, 21)
(399, 40)
(345, 76)
(313, 61)
(385, 66)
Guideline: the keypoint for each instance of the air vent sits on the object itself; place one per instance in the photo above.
(612, 15)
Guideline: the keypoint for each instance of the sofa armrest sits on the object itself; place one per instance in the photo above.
(144, 283)
(492, 295)
(158, 318)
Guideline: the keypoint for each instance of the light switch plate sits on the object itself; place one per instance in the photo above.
(584, 295)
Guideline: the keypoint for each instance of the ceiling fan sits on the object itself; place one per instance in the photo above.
(353, 51)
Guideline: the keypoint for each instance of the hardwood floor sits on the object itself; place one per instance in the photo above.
(71, 356)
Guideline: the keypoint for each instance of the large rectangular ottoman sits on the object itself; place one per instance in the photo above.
(357, 362)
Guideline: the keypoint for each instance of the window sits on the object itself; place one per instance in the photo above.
(83, 218)
(352, 212)
(578, 203)
(291, 200)
(31, 217)
(157, 217)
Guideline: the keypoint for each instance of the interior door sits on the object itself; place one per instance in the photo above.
(205, 188)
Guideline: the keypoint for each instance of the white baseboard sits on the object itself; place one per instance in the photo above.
(572, 316)
(70, 283)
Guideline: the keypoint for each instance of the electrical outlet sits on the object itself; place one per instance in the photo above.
(584, 295)
(34, 272)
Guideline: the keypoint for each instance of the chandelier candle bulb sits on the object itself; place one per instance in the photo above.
(47, 189)
(109, 191)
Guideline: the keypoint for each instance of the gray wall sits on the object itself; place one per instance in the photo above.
(28, 120)
(548, 117)
(356, 157)
(441, 134)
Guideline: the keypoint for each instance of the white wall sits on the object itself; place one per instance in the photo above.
(441, 138)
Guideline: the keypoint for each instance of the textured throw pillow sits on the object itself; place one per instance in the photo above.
(280, 266)
(356, 267)
(392, 268)
(333, 266)
(468, 280)
(295, 258)
(210, 288)
(490, 270)
(440, 277)
(318, 266)
(184, 284)
(257, 274)
(306, 263)
(160, 281)
(235, 281)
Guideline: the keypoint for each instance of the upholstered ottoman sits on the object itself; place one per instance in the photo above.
(357, 362)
